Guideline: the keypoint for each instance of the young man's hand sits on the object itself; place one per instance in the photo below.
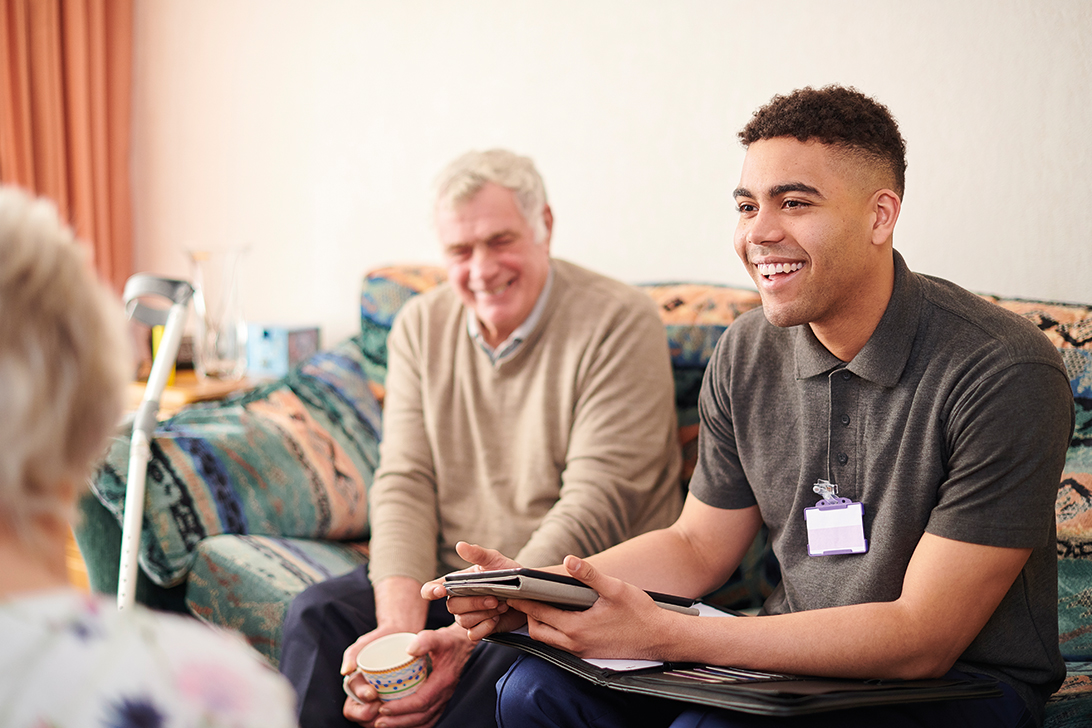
(606, 630)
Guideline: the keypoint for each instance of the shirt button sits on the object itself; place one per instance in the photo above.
(846, 375)
(845, 419)
(843, 458)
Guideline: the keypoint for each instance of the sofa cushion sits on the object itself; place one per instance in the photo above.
(696, 314)
(1069, 327)
(383, 294)
(1071, 705)
(294, 457)
(1074, 517)
(245, 583)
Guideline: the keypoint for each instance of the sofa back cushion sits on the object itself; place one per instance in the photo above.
(694, 315)
(1069, 327)
(383, 294)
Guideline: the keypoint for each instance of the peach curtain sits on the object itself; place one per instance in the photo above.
(65, 78)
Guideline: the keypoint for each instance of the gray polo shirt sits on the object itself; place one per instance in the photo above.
(953, 419)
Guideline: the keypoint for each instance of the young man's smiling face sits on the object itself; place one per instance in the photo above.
(808, 235)
(493, 261)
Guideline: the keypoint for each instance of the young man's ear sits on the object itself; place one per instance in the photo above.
(885, 209)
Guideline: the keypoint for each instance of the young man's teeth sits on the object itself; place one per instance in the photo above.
(768, 269)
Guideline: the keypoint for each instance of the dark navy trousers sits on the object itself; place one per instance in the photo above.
(326, 618)
(535, 694)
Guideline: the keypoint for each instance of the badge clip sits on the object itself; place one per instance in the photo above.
(829, 491)
(835, 525)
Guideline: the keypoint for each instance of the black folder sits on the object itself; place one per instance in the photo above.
(750, 691)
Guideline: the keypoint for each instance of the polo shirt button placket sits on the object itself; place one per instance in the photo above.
(841, 441)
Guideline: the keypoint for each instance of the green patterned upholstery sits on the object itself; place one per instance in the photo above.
(1074, 515)
(290, 458)
(246, 582)
(1069, 327)
(383, 294)
(1071, 705)
(255, 498)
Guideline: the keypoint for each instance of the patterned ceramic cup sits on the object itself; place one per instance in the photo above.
(393, 672)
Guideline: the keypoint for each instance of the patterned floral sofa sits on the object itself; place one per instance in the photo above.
(252, 499)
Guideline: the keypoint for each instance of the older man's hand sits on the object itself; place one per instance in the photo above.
(479, 616)
(448, 650)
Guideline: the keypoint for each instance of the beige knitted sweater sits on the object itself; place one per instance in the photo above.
(568, 446)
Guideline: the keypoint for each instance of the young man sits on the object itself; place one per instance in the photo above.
(529, 405)
(947, 417)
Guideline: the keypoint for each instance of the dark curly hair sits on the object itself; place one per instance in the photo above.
(838, 116)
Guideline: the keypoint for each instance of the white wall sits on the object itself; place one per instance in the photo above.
(311, 130)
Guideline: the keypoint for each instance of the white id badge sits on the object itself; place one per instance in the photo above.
(835, 528)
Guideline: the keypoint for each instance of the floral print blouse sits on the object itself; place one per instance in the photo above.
(69, 660)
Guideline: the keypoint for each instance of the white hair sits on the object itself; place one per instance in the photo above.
(64, 361)
(464, 177)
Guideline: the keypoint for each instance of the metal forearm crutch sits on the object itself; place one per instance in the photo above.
(172, 320)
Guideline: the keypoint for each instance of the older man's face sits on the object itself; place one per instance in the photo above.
(492, 259)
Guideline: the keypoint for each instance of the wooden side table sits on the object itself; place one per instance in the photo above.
(187, 389)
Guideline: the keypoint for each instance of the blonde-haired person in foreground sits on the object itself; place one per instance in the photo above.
(66, 658)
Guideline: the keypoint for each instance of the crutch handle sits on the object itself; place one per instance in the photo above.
(145, 284)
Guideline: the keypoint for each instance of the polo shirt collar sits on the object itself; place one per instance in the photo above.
(511, 345)
(886, 352)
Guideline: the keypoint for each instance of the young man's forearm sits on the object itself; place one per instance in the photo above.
(680, 559)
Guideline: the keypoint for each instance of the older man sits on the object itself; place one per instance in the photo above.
(529, 405)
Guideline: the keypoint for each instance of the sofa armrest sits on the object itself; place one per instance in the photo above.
(294, 457)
